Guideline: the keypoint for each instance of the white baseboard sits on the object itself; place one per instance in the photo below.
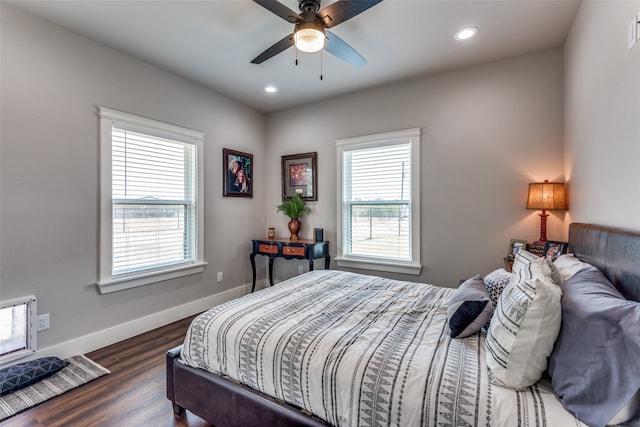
(114, 334)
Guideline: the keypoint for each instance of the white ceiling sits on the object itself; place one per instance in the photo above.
(212, 42)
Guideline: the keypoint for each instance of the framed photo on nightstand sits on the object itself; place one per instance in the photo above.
(553, 250)
(515, 246)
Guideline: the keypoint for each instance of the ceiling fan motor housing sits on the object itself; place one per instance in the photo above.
(309, 6)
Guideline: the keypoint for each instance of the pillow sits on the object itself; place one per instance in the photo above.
(469, 309)
(24, 374)
(568, 265)
(630, 411)
(522, 332)
(527, 265)
(595, 363)
(496, 281)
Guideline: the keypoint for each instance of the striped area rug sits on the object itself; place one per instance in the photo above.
(80, 371)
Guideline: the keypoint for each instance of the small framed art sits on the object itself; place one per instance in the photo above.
(553, 250)
(300, 175)
(515, 246)
(237, 170)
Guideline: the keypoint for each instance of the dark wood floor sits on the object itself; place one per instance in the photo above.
(132, 395)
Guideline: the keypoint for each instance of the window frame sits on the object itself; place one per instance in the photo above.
(413, 266)
(107, 282)
(30, 332)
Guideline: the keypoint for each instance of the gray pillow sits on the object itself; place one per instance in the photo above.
(595, 363)
(469, 309)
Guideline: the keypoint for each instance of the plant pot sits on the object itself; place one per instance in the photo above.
(294, 228)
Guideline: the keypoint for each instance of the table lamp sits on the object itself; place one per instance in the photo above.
(546, 196)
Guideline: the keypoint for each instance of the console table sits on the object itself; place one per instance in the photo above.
(288, 249)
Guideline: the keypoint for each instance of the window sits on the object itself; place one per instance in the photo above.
(17, 328)
(379, 202)
(151, 201)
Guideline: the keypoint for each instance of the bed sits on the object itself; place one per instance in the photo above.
(370, 351)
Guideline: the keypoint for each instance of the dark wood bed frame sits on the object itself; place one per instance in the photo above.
(223, 402)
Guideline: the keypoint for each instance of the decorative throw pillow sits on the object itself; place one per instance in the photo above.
(496, 281)
(595, 363)
(527, 266)
(522, 332)
(469, 309)
(568, 265)
(24, 374)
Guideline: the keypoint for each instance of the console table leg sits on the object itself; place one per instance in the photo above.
(271, 271)
(327, 261)
(311, 264)
(252, 257)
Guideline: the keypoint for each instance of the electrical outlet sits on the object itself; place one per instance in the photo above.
(300, 269)
(219, 276)
(43, 322)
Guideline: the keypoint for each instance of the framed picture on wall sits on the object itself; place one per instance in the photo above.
(300, 175)
(237, 171)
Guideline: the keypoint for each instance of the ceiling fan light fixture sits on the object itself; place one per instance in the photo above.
(309, 37)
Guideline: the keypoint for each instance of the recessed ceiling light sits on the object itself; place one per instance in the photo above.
(466, 33)
(270, 89)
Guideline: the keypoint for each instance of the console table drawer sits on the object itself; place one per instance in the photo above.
(293, 250)
(269, 249)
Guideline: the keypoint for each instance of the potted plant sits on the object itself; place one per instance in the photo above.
(295, 208)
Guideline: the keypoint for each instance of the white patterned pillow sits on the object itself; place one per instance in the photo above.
(527, 266)
(523, 330)
(496, 281)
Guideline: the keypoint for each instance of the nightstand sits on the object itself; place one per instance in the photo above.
(508, 264)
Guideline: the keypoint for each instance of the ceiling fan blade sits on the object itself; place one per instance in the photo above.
(281, 46)
(341, 49)
(279, 9)
(342, 10)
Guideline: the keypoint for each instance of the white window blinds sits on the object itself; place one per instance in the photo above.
(377, 201)
(151, 201)
(154, 197)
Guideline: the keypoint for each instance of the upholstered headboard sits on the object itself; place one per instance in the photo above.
(615, 251)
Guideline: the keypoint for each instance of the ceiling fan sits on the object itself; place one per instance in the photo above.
(311, 32)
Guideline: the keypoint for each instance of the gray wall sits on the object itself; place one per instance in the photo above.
(602, 97)
(487, 132)
(52, 81)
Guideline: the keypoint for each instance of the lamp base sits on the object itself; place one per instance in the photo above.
(543, 228)
(540, 243)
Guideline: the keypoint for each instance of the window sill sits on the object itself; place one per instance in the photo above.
(133, 281)
(391, 267)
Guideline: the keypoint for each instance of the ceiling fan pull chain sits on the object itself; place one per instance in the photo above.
(296, 56)
(321, 65)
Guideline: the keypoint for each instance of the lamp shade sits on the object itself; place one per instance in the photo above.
(547, 196)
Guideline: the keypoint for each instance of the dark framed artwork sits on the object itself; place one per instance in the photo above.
(516, 246)
(553, 250)
(237, 171)
(300, 175)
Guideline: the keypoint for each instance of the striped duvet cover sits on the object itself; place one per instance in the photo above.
(359, 350)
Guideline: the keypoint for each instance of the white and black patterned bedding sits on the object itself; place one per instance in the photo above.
(360, 350)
